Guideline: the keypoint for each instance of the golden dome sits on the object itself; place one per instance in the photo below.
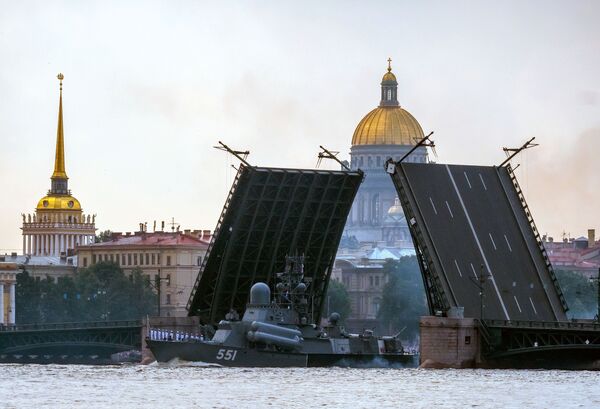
(388, 125)
(389, 77)
(58, 202)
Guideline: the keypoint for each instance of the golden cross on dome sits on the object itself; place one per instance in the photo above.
(60, 77)
(389, 65)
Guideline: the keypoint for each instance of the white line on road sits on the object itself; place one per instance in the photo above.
(507, 243)
(487, 265)
(450, 210)
(493, 243)
(518, 306)
(432, 205)
(468, 181)
(458, 268)
(532, 306)
(482, 182)
(474, 273)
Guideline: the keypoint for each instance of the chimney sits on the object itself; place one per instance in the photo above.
(591, 238)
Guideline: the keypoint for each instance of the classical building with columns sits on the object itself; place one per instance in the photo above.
(8, 280)
(58, 224)
(388, 131)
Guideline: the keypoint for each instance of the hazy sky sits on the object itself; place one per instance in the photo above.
(150, 87)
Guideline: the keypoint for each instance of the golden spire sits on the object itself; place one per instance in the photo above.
(389, 65)
(59, 158)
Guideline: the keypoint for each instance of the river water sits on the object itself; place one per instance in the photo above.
(180, 386)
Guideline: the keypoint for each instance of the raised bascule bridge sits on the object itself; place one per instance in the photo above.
(271, 213)
(481, 257)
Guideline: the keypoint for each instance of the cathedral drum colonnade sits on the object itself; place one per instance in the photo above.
(58, 224)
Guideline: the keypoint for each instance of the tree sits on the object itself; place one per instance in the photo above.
(337, 300)
(103, 236)
(580, 293)
(100, 292)
(403, 300)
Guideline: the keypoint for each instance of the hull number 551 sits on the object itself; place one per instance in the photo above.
(226, 354)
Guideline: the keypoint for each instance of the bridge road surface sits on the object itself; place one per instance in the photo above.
(473, 217)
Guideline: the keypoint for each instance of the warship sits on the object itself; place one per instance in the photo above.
(279, 332)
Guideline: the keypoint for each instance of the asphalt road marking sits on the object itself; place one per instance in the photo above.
(432, 205)
(450, 210)
(468, 181)
(458, 268)
(474, 273)
(518, 306)
(493, 243)
(487, 265)
(482, 182)
(532, 306)
(507, 243)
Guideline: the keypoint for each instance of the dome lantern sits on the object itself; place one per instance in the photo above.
(389, 88)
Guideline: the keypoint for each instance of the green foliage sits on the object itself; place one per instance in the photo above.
(337, 300)
(581, 294)
(103, 236)
(100, 292)
(403, 300)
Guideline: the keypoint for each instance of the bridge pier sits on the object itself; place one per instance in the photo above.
(449, 342)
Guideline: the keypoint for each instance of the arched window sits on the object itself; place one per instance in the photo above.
(389, 94)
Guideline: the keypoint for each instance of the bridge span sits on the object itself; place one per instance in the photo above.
(75, 342)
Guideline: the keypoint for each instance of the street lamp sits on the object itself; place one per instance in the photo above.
(156, 285)
(479, 283)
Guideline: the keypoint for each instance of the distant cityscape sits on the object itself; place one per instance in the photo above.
(58, 238)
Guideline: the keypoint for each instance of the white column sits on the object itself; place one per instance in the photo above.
(13, 306)
(24, 244)
(34, 238)
(1, 303)
(29, 244)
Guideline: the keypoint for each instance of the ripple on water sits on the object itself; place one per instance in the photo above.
(184, 386)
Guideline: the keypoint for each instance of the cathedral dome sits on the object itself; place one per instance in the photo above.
(388, 125)
(60, 202)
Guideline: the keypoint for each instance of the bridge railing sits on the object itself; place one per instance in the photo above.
(568, 325)
(70, 325)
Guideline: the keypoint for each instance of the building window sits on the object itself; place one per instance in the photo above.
(158, 259)
(123, 259)
(371, 281)
(199, 260)
(379, 161)
(129, 259)
(168, 280)
(147, 258)
(135, 259)
(168, 260)
(168, 302)
(376, 281)
(153, 258)
(85, 261)
(93, 259)
(141, 259)
(389, 94)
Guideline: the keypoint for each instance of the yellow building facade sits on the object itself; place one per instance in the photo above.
(8, 280)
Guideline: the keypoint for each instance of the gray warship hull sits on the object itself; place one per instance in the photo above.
(230, 356)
